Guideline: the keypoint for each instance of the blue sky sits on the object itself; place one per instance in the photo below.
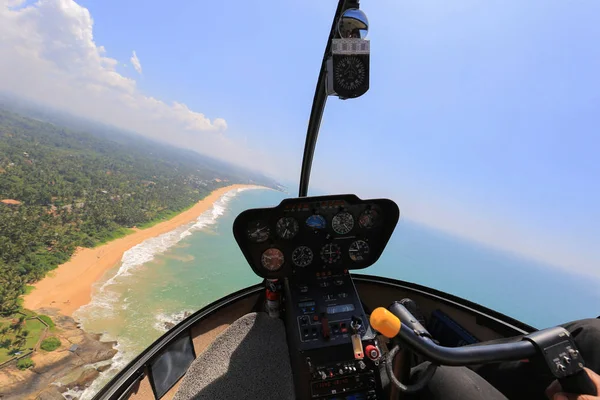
(483, 118)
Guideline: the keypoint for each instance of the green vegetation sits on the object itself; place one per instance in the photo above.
(47, 320)
(27, 313)
(35, 328)
(116, 234)
(18, 335)
(25, 363)
(64, 188)
(162, 216)
(50, 344)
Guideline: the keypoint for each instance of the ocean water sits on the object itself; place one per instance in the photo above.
(162, 279)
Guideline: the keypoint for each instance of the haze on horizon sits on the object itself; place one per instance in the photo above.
(482, 118)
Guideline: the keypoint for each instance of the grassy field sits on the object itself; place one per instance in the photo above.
(34, 326)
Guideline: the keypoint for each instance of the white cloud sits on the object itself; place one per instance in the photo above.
(48, 53)
(135, 61)
(14, 3)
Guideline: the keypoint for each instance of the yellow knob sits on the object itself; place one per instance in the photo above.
(385, 322)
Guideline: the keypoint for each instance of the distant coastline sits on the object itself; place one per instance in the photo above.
(69, 286)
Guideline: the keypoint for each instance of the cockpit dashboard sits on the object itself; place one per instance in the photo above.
(311, 234)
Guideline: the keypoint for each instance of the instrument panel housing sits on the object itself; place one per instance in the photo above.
(300, 209)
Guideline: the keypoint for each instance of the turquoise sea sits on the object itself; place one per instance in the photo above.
(161, 279)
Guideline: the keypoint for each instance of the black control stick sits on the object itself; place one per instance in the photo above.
(554, 345)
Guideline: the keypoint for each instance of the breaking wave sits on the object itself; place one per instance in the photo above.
(106, 302)
(104, 299)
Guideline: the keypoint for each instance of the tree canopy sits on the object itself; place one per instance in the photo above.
(74, 188)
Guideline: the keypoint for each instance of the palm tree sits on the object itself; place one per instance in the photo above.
(18, 326)
(21, 339)
(18, 342)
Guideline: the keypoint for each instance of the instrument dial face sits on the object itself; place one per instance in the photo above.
(359, 250)
(342, 223)
(331, 253)
(368, 219)
(286, 228)
(302, 256)
(350, 72)
(258, 231)
(272, 259)
(316, 221)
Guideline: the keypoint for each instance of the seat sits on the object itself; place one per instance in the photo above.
(249, 360)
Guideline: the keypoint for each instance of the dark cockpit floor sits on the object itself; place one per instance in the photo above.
(249, 360)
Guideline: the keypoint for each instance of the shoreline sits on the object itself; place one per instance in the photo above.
(70, 285)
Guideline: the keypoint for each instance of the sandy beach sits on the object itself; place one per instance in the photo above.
(70, 285)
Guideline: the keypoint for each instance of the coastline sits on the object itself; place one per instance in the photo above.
(70, 285)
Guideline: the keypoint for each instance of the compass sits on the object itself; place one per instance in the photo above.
(350, 73)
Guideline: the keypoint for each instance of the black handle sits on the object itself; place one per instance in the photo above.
(417, 338)
(580, 383)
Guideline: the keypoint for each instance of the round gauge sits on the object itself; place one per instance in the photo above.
(350, 72)
(316, 222)
(359, 250)
(368, 219)
(302, 256)
(286, 228)
(342, 223)
(272, 259)
(331, 253)
(258, 231)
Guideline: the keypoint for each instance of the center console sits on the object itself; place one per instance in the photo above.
(323, 312)
(307, 246)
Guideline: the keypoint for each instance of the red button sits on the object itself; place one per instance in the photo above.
(315, 317)
(372, 352)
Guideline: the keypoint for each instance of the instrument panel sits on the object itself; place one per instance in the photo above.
(312, 234)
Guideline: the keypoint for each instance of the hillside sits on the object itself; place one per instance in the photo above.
(62, 188)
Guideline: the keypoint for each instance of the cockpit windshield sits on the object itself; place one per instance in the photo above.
(132, 134)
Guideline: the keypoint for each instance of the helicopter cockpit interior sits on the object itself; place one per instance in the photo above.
(315, 338)
(305, 248)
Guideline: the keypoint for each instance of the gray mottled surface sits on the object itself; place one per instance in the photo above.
(249, 360)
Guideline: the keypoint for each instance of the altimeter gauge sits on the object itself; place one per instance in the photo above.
(302, 256)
